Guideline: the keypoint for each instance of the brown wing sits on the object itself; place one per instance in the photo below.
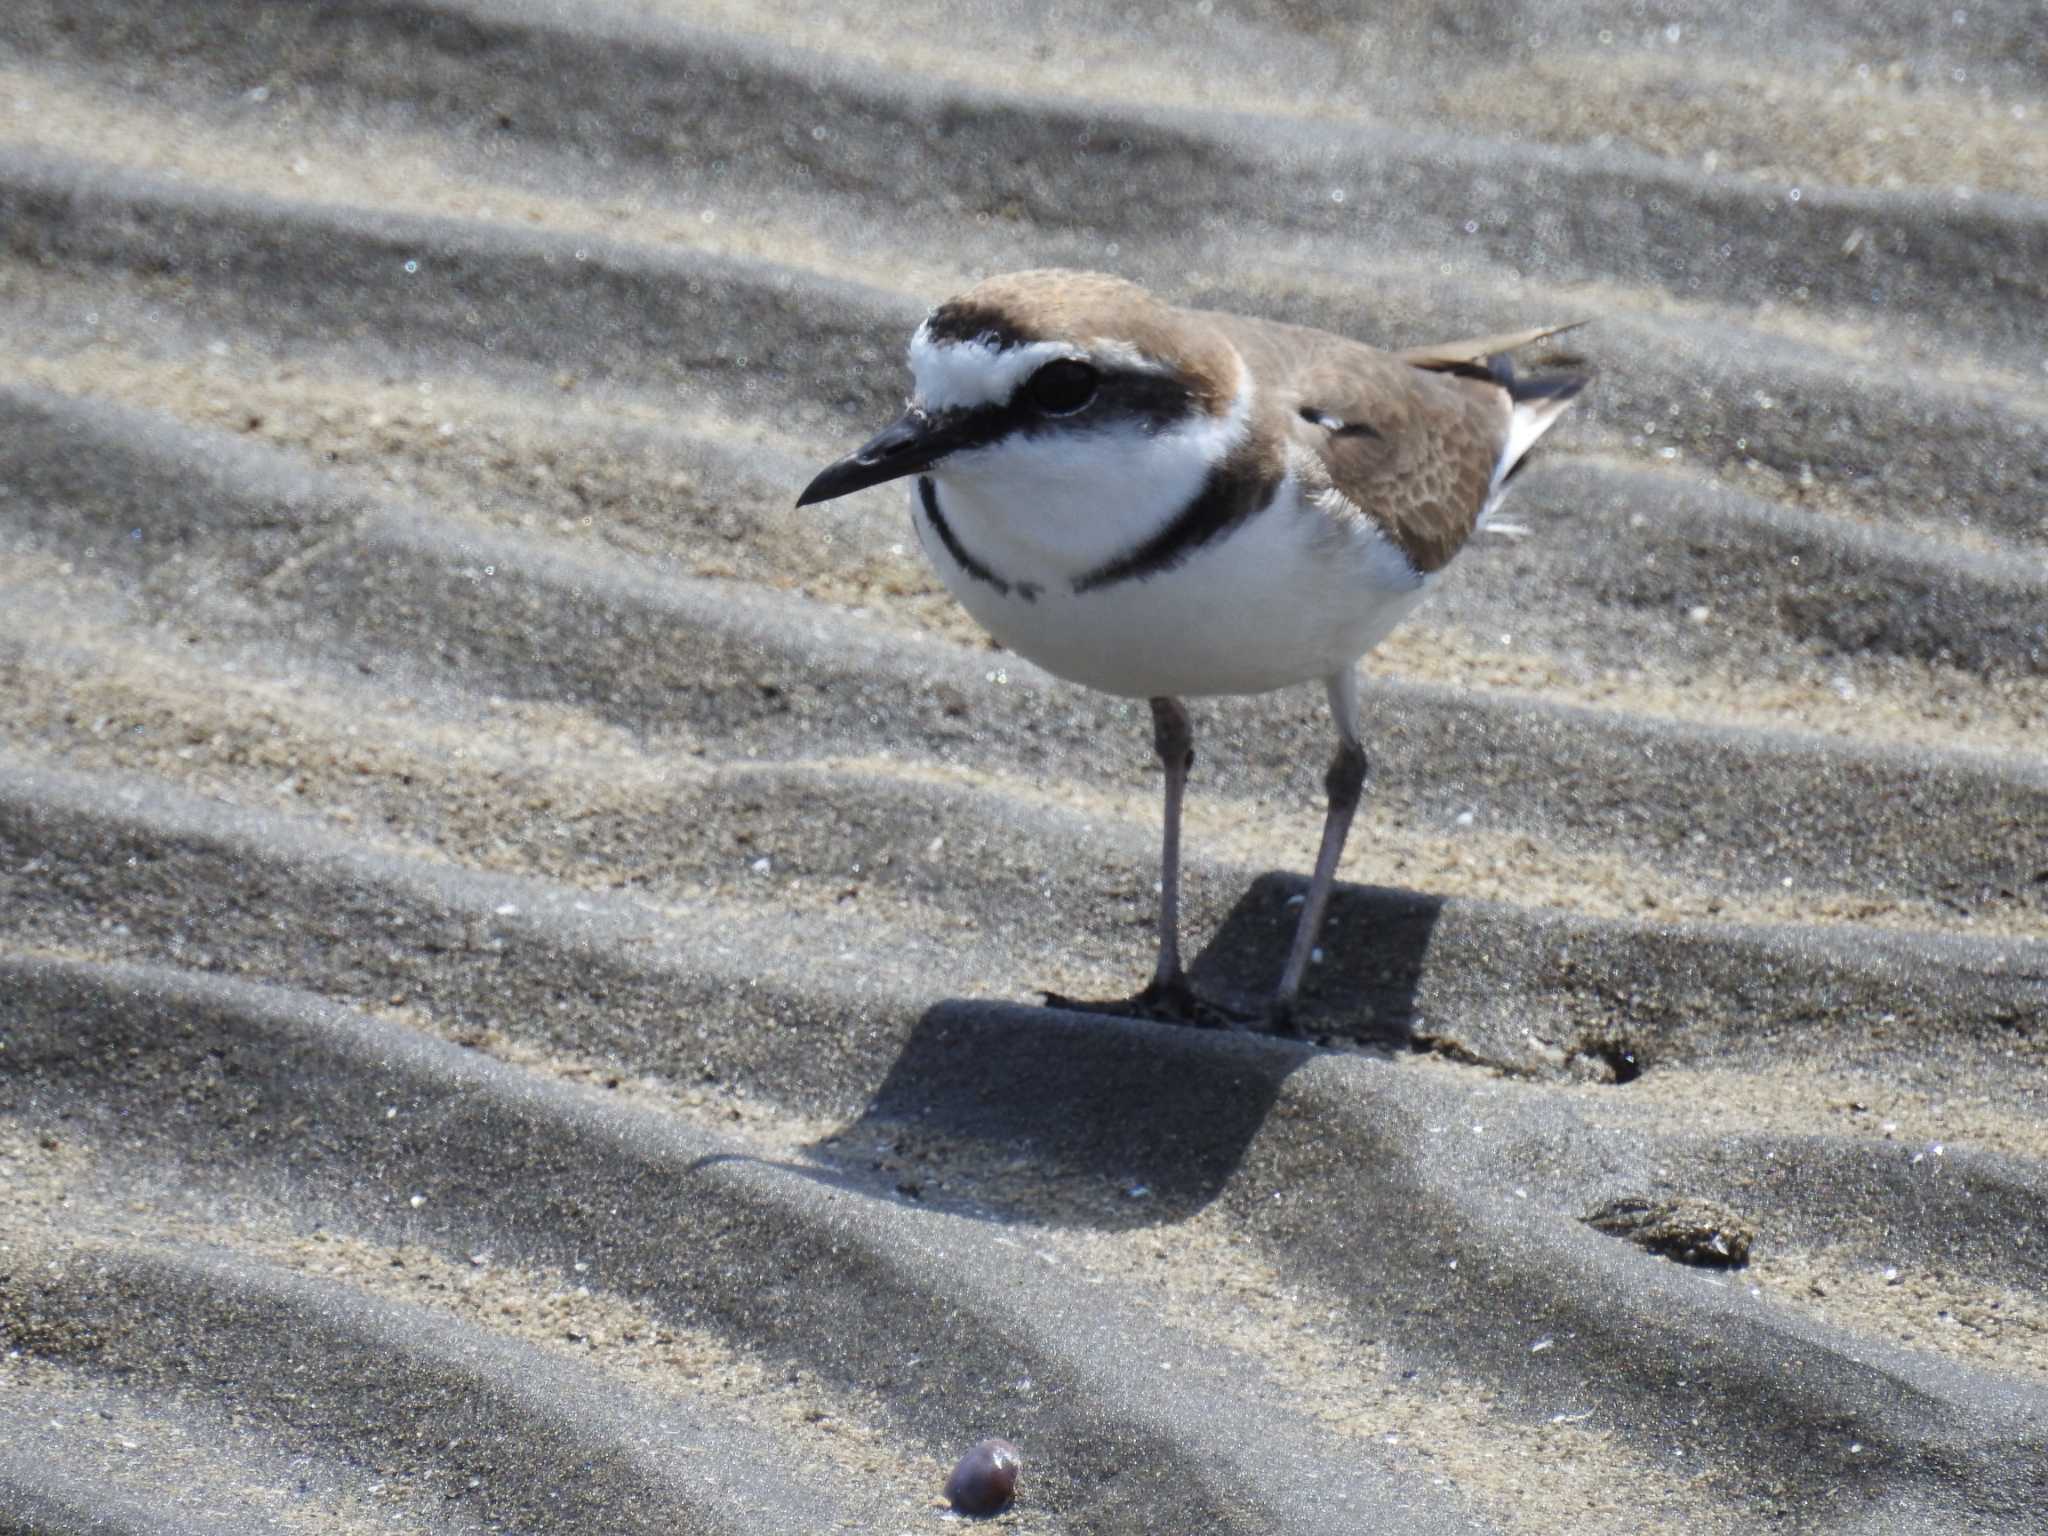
(1413, 450)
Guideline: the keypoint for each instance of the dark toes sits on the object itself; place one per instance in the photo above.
(1175, 1002)
(1171, 1002)
(1280, 1019)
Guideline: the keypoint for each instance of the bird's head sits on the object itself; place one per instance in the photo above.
(1046, 383)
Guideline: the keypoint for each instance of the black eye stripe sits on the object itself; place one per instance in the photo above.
(1157, 399)
(1153, 401)
(1063, 386)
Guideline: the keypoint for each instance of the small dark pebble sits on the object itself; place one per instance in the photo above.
(985, 1480)
(1690, 1231)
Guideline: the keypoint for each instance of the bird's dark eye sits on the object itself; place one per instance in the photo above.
(1061, 387)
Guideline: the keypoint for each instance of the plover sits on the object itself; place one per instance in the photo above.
(1161, 502)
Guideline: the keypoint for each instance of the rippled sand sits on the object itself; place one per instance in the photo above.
(519, 950)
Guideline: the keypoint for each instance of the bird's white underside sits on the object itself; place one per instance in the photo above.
(1298, 592)
(1288, 597)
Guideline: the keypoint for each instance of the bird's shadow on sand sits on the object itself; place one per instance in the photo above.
(1004, 1111)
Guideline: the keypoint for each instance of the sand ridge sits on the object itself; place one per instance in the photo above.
(440, 761)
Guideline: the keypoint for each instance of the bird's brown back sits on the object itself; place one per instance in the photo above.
(1410, 448)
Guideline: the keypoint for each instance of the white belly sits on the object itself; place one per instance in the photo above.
(1290, 596)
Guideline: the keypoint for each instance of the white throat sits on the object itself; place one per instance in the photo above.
(1052, 505)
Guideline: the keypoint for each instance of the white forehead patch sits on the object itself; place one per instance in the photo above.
(955, 374)
(952, 375)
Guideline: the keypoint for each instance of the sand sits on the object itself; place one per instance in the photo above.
(520, 951)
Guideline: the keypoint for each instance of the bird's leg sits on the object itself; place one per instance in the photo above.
(1167, 997)
(1345, 783)
(1174, 740)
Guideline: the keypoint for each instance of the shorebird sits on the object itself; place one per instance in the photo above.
(1162, 502)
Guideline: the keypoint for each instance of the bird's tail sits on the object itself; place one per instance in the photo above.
(1538, 402)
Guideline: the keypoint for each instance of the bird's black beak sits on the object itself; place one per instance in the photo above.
(909, 445)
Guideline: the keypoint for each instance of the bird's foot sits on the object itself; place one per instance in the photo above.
(1279, 1019)
(1173, 1001)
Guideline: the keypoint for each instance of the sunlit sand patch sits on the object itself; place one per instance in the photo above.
(1862, 124)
